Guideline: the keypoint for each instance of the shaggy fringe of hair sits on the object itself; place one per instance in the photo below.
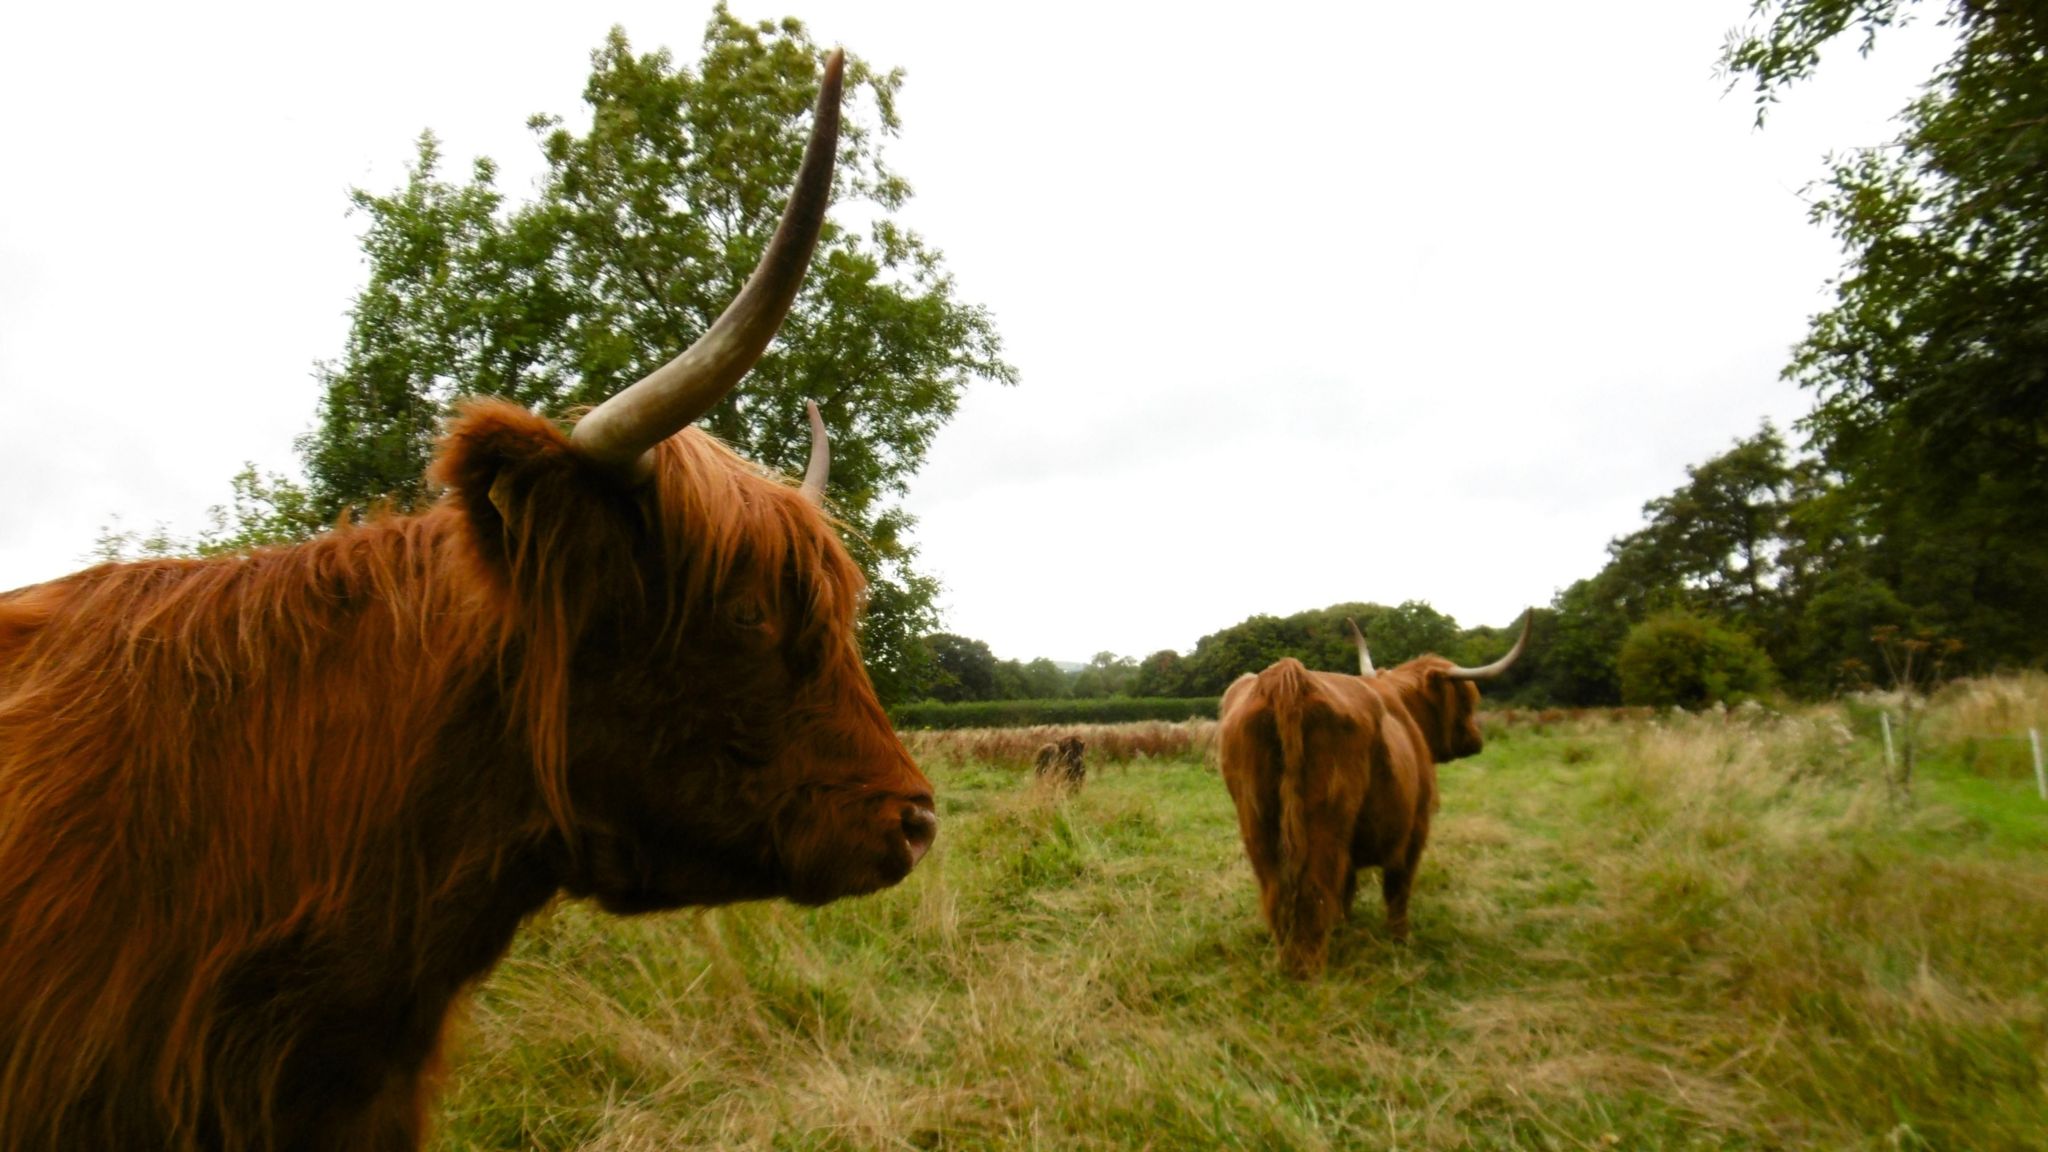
(201, 760)
(1287, 690)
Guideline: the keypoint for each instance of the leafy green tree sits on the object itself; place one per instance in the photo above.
(1831, 647)
(1009, 681)
(961, 669)
(1399, 634)
(1163, 673)
(1688, 660)
(1318, 639)
(1040, 679)
(262, 509)
(1931, 367)
(646, 225)
(1255, 642)
(1579, 652)
(1713, 544)
(1719, 533)
(1247, 646)
(1755, 536)
(1107, 674)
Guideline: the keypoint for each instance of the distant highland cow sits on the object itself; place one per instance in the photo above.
(1333, 773)
(1060, 764)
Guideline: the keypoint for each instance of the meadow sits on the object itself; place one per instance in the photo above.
(1644, 932)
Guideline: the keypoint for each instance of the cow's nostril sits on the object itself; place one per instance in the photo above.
(920, 828)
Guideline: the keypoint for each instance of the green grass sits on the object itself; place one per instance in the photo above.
(1655, 934)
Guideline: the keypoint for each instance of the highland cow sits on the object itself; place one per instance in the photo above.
(264, 818)
(1332, 773)
(1062, 763)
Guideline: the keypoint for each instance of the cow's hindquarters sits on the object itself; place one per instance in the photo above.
(1294, 761)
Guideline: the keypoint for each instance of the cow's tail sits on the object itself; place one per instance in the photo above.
(1287, 690)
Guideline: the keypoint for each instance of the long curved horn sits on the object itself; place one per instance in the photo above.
(1499, 666)
(821, 456)
(621, 431)
(1365, 668)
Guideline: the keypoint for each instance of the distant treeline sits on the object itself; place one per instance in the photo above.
(965, 671)
(1762, 574)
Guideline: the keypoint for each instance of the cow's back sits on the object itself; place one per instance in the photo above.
(191, 837)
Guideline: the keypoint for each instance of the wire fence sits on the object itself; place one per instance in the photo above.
(2033, 739)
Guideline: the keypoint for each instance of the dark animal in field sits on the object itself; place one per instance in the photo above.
(1061, 763)
(1333, 773)
(264, 818)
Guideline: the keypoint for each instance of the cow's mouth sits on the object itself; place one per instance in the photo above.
(906, 829)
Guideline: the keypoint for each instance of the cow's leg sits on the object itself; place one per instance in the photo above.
(1394, 884)
(1350, 892)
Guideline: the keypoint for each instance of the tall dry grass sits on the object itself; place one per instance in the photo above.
(1990, 708)
(1014, 748)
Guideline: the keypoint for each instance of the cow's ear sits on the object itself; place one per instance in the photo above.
(522, 489)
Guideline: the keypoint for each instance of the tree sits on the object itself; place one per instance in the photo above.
(645, 227)
(1163, 673)
(1931, 367)
(1319, 640)
(1248, 646)
(1718, 534)
(1257, 641)
(1775, 544)
(1677, 658)
(961, 669)
(1714, 544)
(1399, 634)
(1040, 679)
(1106, 674)
(261, 509)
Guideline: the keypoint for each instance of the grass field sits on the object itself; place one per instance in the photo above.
(1666, 933)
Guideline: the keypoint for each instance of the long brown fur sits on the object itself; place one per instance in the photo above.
(1331, 774)
(264, 817)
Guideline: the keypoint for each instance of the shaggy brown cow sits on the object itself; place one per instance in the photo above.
(263, 818)
(1062, 763)
(1333, 773)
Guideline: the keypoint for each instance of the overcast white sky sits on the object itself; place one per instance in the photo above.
(1312, 302)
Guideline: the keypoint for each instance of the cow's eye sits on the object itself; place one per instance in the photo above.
(745, 615)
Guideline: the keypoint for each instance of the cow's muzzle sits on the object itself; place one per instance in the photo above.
(920, 826)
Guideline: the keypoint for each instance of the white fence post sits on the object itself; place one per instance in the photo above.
(2040, 773)
(1890, 761)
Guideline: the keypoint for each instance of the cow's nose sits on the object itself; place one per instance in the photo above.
(920, 828)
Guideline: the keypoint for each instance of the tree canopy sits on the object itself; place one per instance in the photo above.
(1930, 370)
(645, 225)
(1760, 540)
